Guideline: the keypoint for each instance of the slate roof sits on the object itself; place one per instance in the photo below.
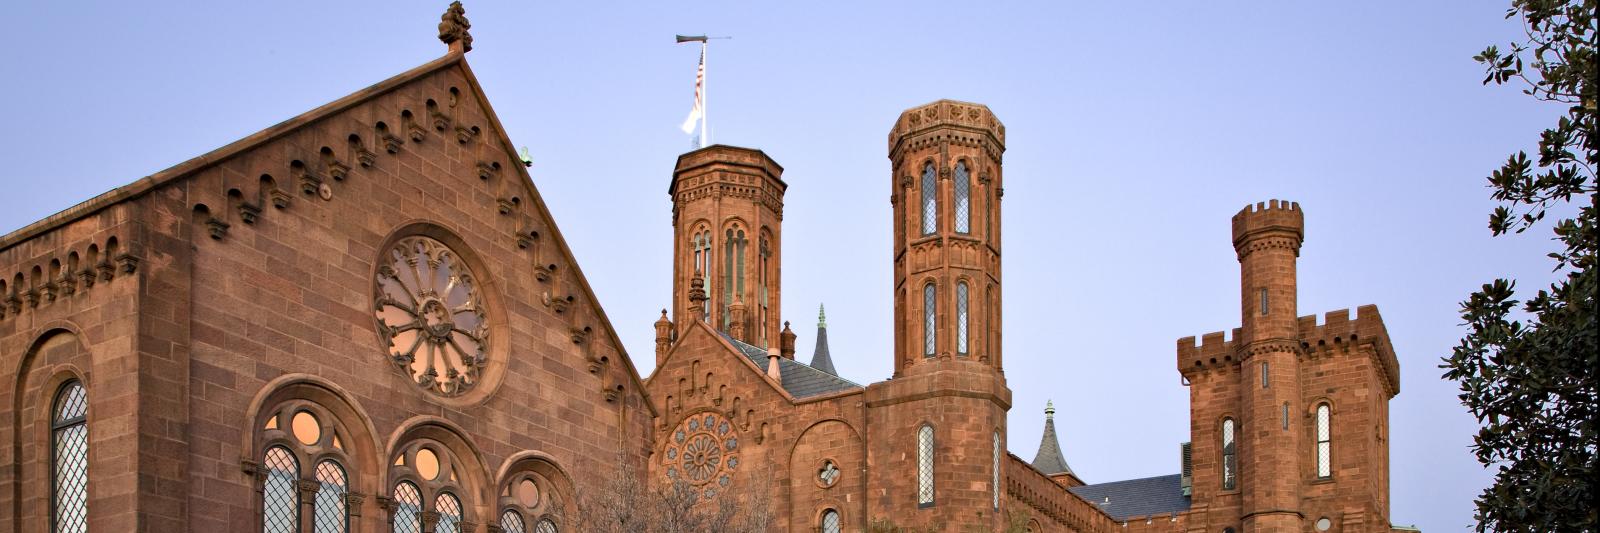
(1158, 495)
(1049, 459)
(820, 359)
(800, 380)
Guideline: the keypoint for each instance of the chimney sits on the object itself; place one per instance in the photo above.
(772, 364)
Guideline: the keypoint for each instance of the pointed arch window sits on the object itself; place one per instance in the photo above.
(925, 465)
(961, 317)
(1229, 462)
(732, 271)
(930, 302)
(69, 459)
(930, 200)
(1324, 442)
(963, 193)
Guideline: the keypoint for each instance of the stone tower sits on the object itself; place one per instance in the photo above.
(1267, 239)
(938, 426)
(727, 214)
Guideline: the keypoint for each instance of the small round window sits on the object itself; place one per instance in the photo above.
(828, 474)
(1324, 524)
(431, 316)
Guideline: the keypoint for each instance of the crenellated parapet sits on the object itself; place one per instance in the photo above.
(1274, 224)
(1215, 351)
(961, 123)
(1339, 334)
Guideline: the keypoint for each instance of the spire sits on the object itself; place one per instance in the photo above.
(820, 359)
(1049, 459)
(453, 28)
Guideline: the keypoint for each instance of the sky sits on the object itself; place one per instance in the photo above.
(1135, 132)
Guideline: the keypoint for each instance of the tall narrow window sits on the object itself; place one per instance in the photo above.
(281, 495)
(727, 277)
(930, 200)
(961, 317)
(449, 509)
(70, 460)
(1285, 416)
(925, 466)
(830, 521)
(1324, 443)
(963, 190)
(331, 514)
(994, 485)
(930, 302)
(407, 508)
(1264, 381)
(511, 522)
(1228, 463)
(706, 259)
(1263, 301)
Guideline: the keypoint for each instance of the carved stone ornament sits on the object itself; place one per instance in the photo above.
(217, 228)
(453, 27)
(280, 199)
(431, 316)
(704, 451)
(248, 212)
(365, 156)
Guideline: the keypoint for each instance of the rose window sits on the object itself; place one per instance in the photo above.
(703, 450)
(431, 316)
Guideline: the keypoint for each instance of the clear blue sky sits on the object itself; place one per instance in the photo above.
(1135, 133)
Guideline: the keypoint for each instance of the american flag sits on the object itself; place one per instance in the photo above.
(699, 95)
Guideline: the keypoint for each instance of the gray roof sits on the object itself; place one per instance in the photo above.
(1158, 495)
(1049, 459)
(800, 380)
(820, 359)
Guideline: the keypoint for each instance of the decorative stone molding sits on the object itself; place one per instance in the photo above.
(525, 237)
(338, 169)
(86, 277)
(353, 502)
(391, 143)
(280, 199)
(465, 134)
(217, 228)
(364, 156)
(127, 263)
(248, 212)
(105, 269)
(67, 284)
(310, 182)
(308, 489)
(543, 273)
(488, 169)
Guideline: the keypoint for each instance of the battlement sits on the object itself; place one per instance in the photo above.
(1214, 351)
(967, 116)
(1338, 333)
(1274, 216)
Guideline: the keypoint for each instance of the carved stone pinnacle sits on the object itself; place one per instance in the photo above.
(453, 28)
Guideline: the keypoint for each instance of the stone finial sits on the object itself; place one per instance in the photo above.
(453, 28)
(1049, 410)
(786, 341)
(822, 316)
(697, 295)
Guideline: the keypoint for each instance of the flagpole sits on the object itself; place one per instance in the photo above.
(705, 130)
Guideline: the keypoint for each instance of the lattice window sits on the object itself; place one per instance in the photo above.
(511, 522)
(331, 513)
(1324, 442)
(407, 508)
(449, 509)
(281, 495)
(930, 302)
(1229, 474)
(70, 484)
(828, 474)
(995, 484)
(930, 200)
(963, 190)
(830, 521)
(961, 317)
(546, 525)
(925, 465)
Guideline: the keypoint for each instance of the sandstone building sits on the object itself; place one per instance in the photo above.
(364, 319)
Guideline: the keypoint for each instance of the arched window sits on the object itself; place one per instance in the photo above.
(449, 509)
(1324, 443)
(930, 200)
(281, 495)
(300, 434)
(511, 522)
(930, 303)
(702, 265)
(961, 317)
(407, 508)
(994, 486)
(332, 513)
(1228, 460)
(545, 526)
(963, 190)
(925, 466)
(830, 521)
(732, 271)
(70, 459)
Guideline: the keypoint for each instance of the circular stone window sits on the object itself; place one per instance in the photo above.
(431, 316)
(703, 451)
(1324, 524)
(828, 473)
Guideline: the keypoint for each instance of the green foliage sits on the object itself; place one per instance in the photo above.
(1528, 371)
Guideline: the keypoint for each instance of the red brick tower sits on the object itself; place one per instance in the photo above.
(1267, 238)
(938, 426)
(727, 213)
